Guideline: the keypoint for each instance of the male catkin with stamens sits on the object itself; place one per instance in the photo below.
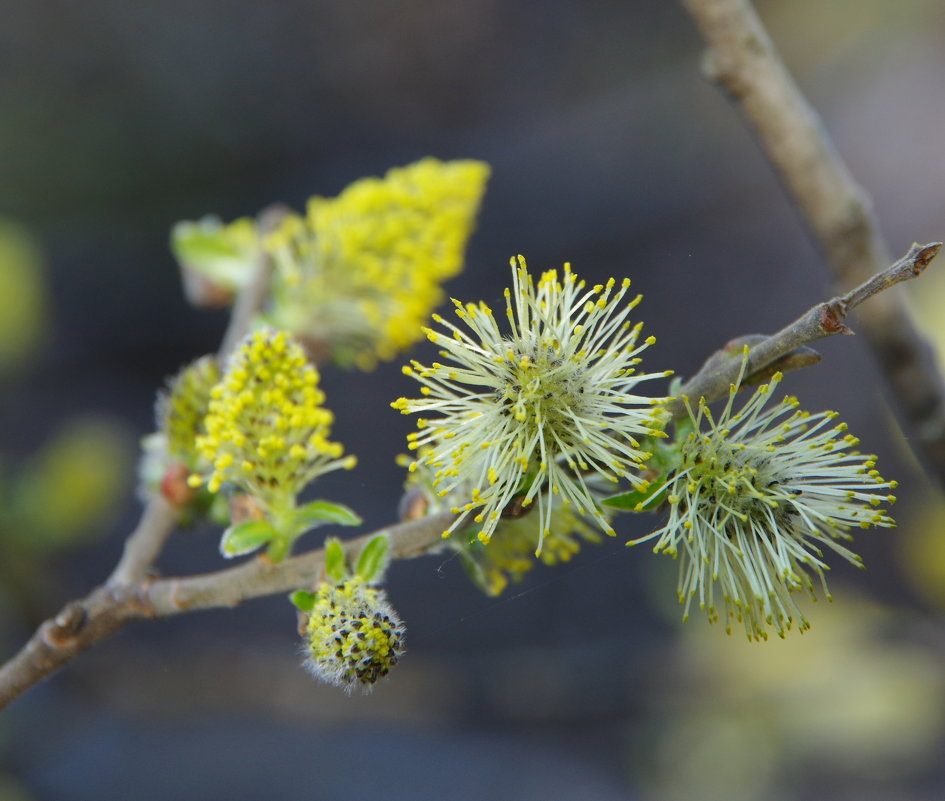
(538, 410)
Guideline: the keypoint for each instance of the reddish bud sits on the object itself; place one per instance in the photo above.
(174, 486)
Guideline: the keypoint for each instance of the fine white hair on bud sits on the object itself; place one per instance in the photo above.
(536, 412)
(353, 636)
(757, 499)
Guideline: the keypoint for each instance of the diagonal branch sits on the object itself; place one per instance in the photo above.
(742, 59)
(251, 297)
(145, 543)
(259, 577)
(107, 609)
(823, 320)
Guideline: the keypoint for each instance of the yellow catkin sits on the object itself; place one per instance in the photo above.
(266, 429)
(359, 274)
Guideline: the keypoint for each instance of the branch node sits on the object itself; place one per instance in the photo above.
(920, 256)
(66, 625)
(831, 317)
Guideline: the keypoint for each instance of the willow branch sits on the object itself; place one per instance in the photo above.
(125, 595)
(742, 59)
(259, 577)
(823, 320)
(145, 543)
(87, 621)
(251, 297)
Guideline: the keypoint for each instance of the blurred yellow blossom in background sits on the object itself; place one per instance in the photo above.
(855, 700)
(359, 274)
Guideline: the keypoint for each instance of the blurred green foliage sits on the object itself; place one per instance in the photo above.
(70, 487)
(66, 492)
(23, 305)
(63, 496)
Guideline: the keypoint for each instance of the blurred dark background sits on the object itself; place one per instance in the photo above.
(608, 150)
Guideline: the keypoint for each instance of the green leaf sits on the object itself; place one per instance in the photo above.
(636, 500)
(304, 600)
(664, 451)
(334, 561)
(317, 513)
(246, 537)
(474, 570)
(374, 559)
(223, 252)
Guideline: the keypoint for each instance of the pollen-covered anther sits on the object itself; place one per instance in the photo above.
(267, 433)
